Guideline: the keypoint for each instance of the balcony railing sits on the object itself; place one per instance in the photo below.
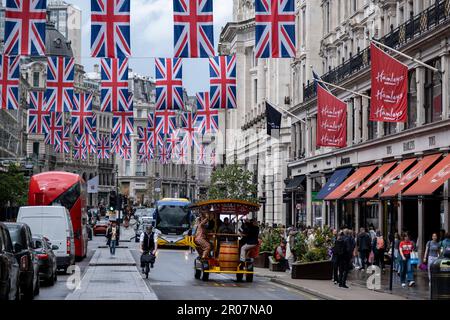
(428, 20)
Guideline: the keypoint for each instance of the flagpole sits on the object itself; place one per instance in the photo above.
(342, 88)
(407, 57)
(288, 112)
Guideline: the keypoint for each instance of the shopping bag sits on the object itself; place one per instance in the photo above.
(423, 267)
(414, 259)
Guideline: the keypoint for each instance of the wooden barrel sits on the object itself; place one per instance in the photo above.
(229, 256)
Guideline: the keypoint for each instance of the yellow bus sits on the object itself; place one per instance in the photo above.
(173, 220)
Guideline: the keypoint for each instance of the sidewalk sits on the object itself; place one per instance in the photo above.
(112, 278)
(325, 289)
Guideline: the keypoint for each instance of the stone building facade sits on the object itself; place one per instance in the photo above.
(420, 29)
(245, 138)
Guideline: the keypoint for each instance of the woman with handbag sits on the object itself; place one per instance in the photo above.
(431, 253)
(406, 248)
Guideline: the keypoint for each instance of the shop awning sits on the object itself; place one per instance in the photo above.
(398, 170)
(430, 182)
(412, 174)
(351, 182)
(332, 183)
(369, 182)
(295, 183)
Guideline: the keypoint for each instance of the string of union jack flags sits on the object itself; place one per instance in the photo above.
(25, 32)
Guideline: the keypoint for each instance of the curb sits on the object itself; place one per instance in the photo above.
(301, 288)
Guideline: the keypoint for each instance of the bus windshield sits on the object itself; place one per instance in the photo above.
(174, 219)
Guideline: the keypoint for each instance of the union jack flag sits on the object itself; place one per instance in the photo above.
(182, 155)
(37, 112)
(118, 141)
(154, 137)
(193, 28)
(201, 154)
(9, 82)
(165, 122)
(145, 149)
(125, 151)
(80, 151)
(114, 85)
(54, 123)
(60, 79)
(164, 154)
(82, 114)
(104, 147)
(212, 157)
(25, 27)
(189, 128)
(123, 123)
(206, 119)
(173, 140)
(275, 28)
(222, 71)
(64, 146)
(90, 142)
(110, 28)
(169, 84)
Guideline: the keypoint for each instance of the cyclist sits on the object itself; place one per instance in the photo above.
(148, 244)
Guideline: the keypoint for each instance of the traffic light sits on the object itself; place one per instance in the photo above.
(113, 200)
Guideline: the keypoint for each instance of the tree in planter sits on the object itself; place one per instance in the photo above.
(13, 188)
(232, 182)
(270, 241)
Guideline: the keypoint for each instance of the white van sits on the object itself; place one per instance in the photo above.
(54, 223)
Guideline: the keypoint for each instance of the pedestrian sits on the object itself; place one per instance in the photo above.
(431, 253)
(364, 245)
(334, 259)
(201, 238)
(406, 246)
(397, 260)
(343, 257)
(112, 234)
(280, 255)
(379, 248)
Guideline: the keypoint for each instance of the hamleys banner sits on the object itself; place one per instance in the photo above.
(331, 120)
(389, 98)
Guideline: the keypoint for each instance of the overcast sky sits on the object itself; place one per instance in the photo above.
(152, 36)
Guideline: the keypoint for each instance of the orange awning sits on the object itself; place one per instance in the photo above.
(430, 182)
(369, 182)
(351, 182)
(412, 174)
(398, 170)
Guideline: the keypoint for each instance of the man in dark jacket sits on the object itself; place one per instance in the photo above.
(364, 246)
(341, 251)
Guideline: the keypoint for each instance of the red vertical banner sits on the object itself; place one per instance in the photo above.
(331, 120)
(389, 98)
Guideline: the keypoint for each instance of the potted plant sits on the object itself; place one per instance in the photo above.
(269, 242)
(313, 255)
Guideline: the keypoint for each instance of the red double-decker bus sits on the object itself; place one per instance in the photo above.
(68, 190)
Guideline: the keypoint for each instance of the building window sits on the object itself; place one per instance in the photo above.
(35, 79)
(412, 100)
(36, 149)
(327, 17)
(389, 128)
(433, 93)
(372, 125)
(354, 5)
(127, 167)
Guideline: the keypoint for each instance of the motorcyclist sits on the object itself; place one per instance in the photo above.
(148, 244)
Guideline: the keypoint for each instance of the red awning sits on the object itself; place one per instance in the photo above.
(398, 170)
(369, 182)
(430, 182)
(351, 182)
(412, 174)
